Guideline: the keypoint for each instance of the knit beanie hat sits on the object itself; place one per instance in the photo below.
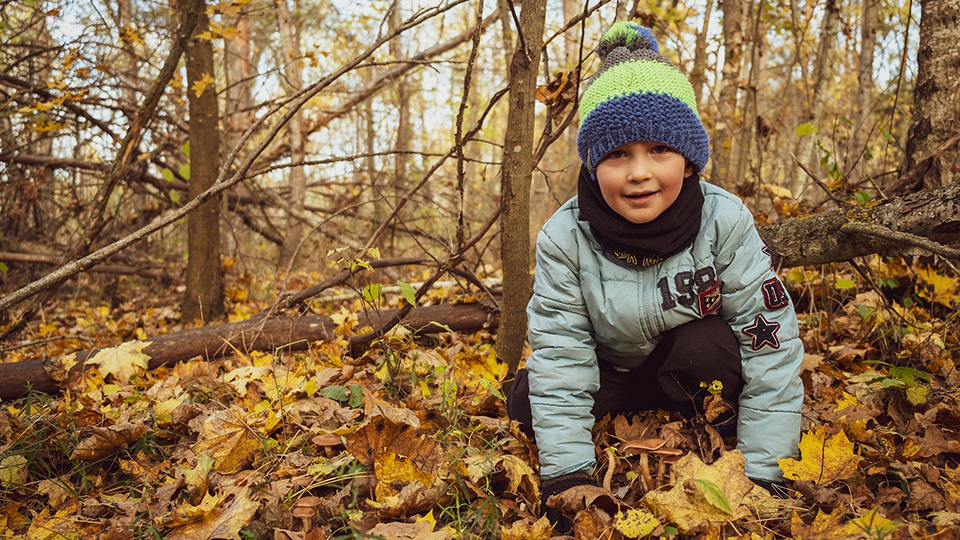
(638, 95)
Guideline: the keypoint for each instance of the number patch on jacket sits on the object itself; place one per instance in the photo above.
(687, 289)
(773, 294)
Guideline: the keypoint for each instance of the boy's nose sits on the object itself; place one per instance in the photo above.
(639, 169)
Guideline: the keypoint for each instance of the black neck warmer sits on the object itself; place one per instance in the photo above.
(643, 244)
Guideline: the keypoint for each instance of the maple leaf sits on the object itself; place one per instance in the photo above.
(823, 460)
(939, 289)
(122, 361)
(688, 505)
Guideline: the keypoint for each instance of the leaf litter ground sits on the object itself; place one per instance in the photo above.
(409, 438)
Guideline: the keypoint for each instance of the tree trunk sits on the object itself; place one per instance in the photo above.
(698, 75)
(806, 152)
(203, 298)
(865, 89)
(937, 106)
(515, 183)
(293, 73)
(404, 131)
(727, 123)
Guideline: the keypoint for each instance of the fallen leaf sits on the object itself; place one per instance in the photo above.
(121, 362)
(66, 522)
(421, 530)
(13, 471)
(524, 530)
(104, 441)
(686, 504)
(823, 460)
(635, 523)
(228, 440)
(222, 521)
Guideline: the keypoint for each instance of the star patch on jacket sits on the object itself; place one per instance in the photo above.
(763, 332)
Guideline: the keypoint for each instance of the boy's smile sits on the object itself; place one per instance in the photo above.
(640, 180)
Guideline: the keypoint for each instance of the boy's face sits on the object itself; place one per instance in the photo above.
(640, 180)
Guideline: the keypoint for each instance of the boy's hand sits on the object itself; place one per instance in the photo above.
(568, 494)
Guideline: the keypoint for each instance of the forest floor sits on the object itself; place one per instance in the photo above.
(410, 438)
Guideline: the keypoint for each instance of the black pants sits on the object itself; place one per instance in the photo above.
(703, 350)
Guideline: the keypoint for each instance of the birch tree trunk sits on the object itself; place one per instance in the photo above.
(293, 73)
(515, 183)
(203, 298)
(727, 102)
(937, 105)
(806, 152)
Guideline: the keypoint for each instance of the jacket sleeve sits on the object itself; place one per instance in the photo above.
(762, 316)
(562, 369)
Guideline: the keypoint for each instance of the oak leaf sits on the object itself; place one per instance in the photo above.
(823, 460)
(122, 361)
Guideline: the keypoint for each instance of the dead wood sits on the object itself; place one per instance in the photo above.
(123, 269)
(275, 334)
(828, 237)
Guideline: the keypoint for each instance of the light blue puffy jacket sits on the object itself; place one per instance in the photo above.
(585, 301)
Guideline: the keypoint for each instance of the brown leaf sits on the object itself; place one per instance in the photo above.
(578, 498)
(104, 441)
(715, 406)
(924, 497)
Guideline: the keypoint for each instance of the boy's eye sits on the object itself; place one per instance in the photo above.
(660, 149)
(617, 154)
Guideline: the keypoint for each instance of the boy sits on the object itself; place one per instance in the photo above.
(650, 282)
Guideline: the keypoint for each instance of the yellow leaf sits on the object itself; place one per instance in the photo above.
(524, 530)
(228, 440)
(13, 471)
(874, 525)
(685, 506)
(201, 85)
(845, 401)
(778, 191)
(65, 523)
(825, 526)
(823, 460)
(635, 523)
(391, 468)
(122, 361)
(937, 288)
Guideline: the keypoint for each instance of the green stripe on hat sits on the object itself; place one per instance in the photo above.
(637, 77)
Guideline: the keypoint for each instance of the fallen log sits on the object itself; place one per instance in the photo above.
(123, 269)
(896, 226)
(272, 334)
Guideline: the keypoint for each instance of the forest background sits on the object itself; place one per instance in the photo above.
(214, 216)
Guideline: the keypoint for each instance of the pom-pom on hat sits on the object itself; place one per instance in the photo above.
(638, 95)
